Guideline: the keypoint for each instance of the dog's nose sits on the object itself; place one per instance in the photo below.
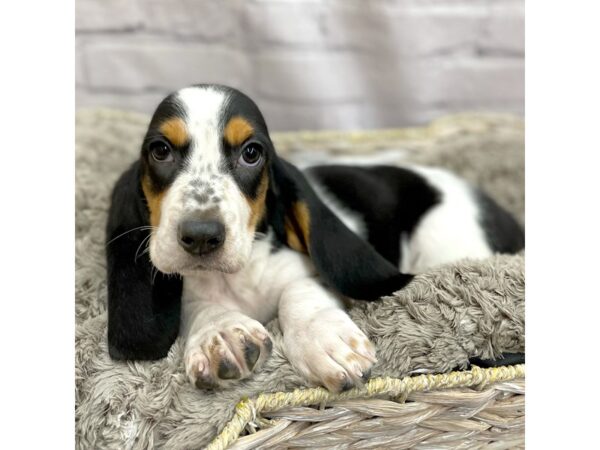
(201, 237)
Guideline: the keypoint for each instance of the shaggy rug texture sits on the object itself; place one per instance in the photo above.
(471, 308)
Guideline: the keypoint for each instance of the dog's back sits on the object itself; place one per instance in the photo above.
(417, 217)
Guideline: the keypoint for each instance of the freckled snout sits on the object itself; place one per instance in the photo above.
(200, 237)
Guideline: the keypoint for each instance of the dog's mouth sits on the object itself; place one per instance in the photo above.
(217, 265)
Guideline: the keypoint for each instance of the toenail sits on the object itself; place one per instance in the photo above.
(268, 344)
(347, 386)
(366, 375)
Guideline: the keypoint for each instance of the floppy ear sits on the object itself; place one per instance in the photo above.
(143, 305)
(345, 262)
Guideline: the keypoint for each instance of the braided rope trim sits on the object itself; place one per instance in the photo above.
(248, 409)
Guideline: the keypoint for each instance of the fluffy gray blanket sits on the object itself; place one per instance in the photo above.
(443, 318)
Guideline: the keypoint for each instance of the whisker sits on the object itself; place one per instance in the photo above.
(143, 227)
(155, 274)
(259, 235)
(146, 240)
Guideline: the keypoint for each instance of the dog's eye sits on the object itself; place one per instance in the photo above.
(251, 154)
(161, 151)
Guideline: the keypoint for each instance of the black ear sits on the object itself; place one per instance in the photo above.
(345, 262)
(143, 305)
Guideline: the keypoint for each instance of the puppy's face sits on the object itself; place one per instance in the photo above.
(205, 177)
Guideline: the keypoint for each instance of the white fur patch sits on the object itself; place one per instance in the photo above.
(215, 304)
(450, 231)
(321, 341)
(256, 288)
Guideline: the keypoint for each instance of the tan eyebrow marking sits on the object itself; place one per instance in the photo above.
(175, 131)
(237, 131)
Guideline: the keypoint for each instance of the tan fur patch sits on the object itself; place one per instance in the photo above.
(353, 357)
(292, 238)
(353, 344)
(258, 204)
(237, 131)
(297, 227)
(334, 382)
(154, 200)
(175, 131)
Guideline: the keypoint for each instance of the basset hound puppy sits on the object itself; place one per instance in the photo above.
(210, 235)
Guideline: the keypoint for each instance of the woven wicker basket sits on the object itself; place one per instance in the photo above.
(479, 408)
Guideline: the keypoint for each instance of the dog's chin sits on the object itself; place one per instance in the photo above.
(191, 267)
(196, 269)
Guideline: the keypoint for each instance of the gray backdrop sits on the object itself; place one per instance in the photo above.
(309, 64)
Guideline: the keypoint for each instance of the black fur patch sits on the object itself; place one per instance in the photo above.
(507, 359)
(391, 200)
(163, 174)
(143, 305)
(240, 105)
(502, 232)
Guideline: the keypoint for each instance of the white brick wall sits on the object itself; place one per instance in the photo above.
(309, 64)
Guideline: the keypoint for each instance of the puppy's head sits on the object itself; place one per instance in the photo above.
(205, 177)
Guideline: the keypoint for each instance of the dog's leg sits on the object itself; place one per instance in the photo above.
(221, 345)
(320, 340)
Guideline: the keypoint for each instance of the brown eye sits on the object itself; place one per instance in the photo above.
(161, 152)
(251, 155)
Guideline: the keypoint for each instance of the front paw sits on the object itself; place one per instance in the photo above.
(330, 350)
(229, 349)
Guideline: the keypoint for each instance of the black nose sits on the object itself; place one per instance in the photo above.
(201, 237)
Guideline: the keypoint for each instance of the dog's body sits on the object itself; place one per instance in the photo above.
(255, 238)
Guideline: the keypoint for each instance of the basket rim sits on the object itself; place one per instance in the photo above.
(247, 409)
